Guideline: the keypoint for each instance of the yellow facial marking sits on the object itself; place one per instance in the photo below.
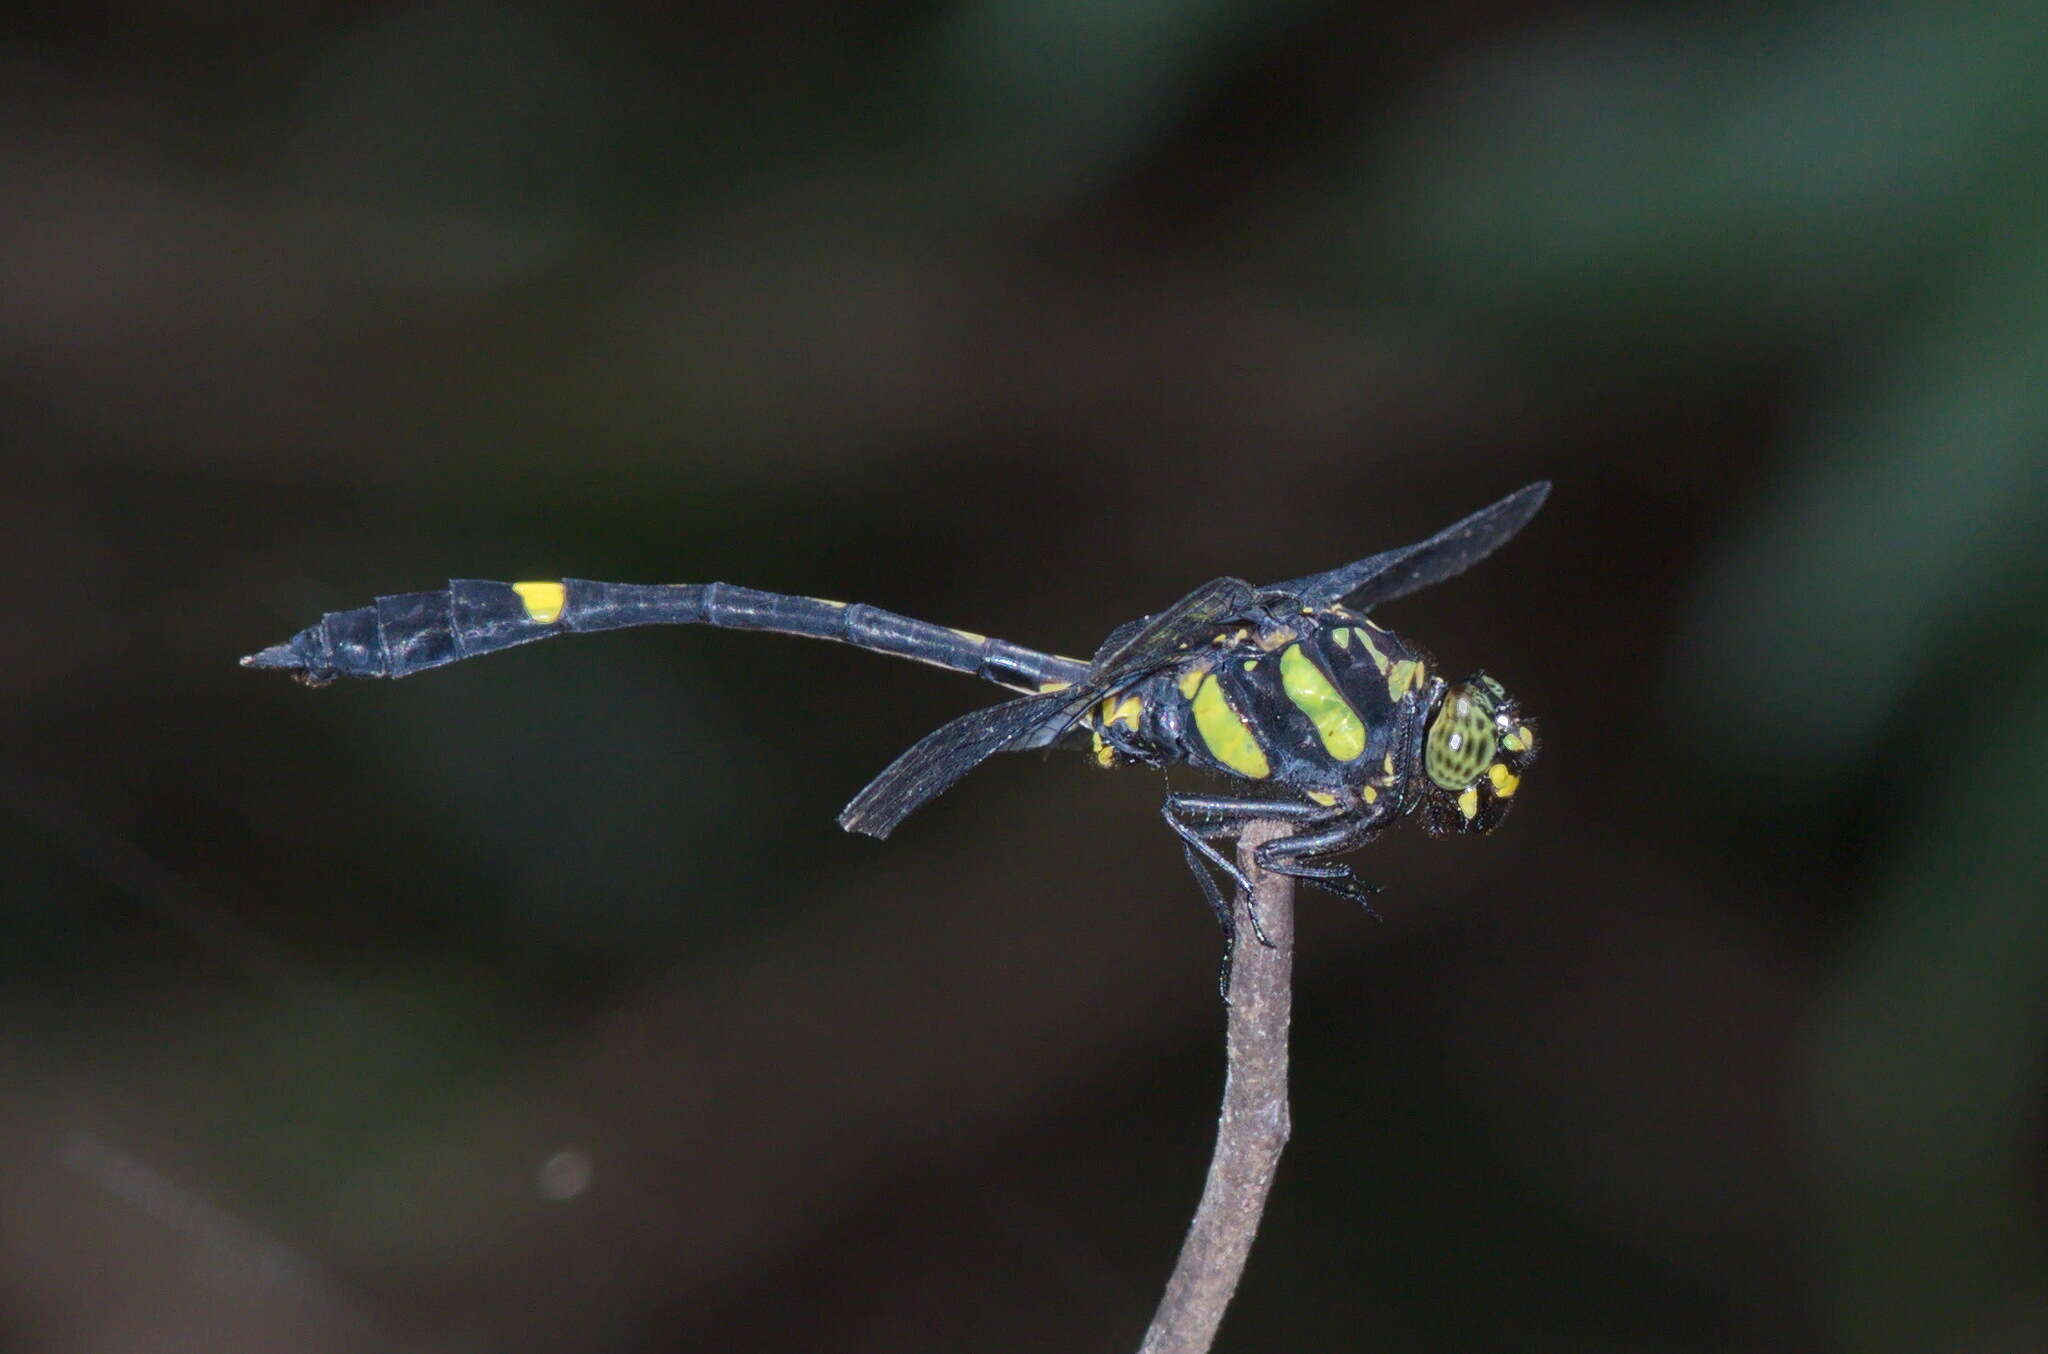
(1379, 660)
(1126, 713)
(1337, 724)
(1468, 803)
(1047, 688)
(1372, 796)
(1319, 797)
(1192, 679)
(1403, 677)
(1342, 634)
(1505, 782)
(1226, 736)
(544, 601)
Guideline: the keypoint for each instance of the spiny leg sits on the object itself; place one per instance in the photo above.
(1226, 817)
(1290, 856)
(1194, 840)
(1225, 917)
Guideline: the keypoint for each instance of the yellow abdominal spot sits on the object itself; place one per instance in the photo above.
(543, 601)
(1468, 802)
(1371, 795)
(1505, 782)
(971, 637)
(1387, 763)
(1319, 797)
(1342, 732)
(827, 601)
(1226, 736)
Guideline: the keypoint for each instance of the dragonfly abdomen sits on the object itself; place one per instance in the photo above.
(406, 633)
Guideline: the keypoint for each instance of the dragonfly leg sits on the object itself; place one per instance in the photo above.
(1196, 818)
(1220, 906)
(1295, 856)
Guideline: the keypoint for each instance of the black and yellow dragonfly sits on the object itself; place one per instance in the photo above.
(1339, 726)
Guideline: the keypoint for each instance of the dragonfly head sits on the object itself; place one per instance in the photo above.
(1473, 756)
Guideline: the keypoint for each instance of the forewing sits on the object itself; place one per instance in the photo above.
(1396, 573)
(939, 759)
(1194, 619)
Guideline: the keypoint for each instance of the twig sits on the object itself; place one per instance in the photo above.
(1253, 1128)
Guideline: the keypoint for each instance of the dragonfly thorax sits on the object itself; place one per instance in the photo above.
(1315, 702)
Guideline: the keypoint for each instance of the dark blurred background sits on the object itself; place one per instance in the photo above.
(539, 1005)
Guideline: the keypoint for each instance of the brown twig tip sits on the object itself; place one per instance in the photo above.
(1252, 1130)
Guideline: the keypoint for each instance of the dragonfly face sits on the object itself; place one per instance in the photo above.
(1338, 725)
(1473, 757)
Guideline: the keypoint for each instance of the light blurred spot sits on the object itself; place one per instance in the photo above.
(1051, 92)
(566, 1174)
(1917, 504)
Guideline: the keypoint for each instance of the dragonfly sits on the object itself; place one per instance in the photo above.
(1324, 719)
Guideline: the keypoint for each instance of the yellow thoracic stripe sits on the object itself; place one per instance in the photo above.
(1337, 724)
(1228, 738)
(1403, 677)
(1379, 660)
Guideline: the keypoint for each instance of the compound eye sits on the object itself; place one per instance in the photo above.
(1461, 739)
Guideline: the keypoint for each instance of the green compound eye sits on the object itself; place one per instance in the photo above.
(1461, 739)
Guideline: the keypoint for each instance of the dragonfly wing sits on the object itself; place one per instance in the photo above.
(1194, 619)
(938, 760)
(1396, 573)
(942, 757)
